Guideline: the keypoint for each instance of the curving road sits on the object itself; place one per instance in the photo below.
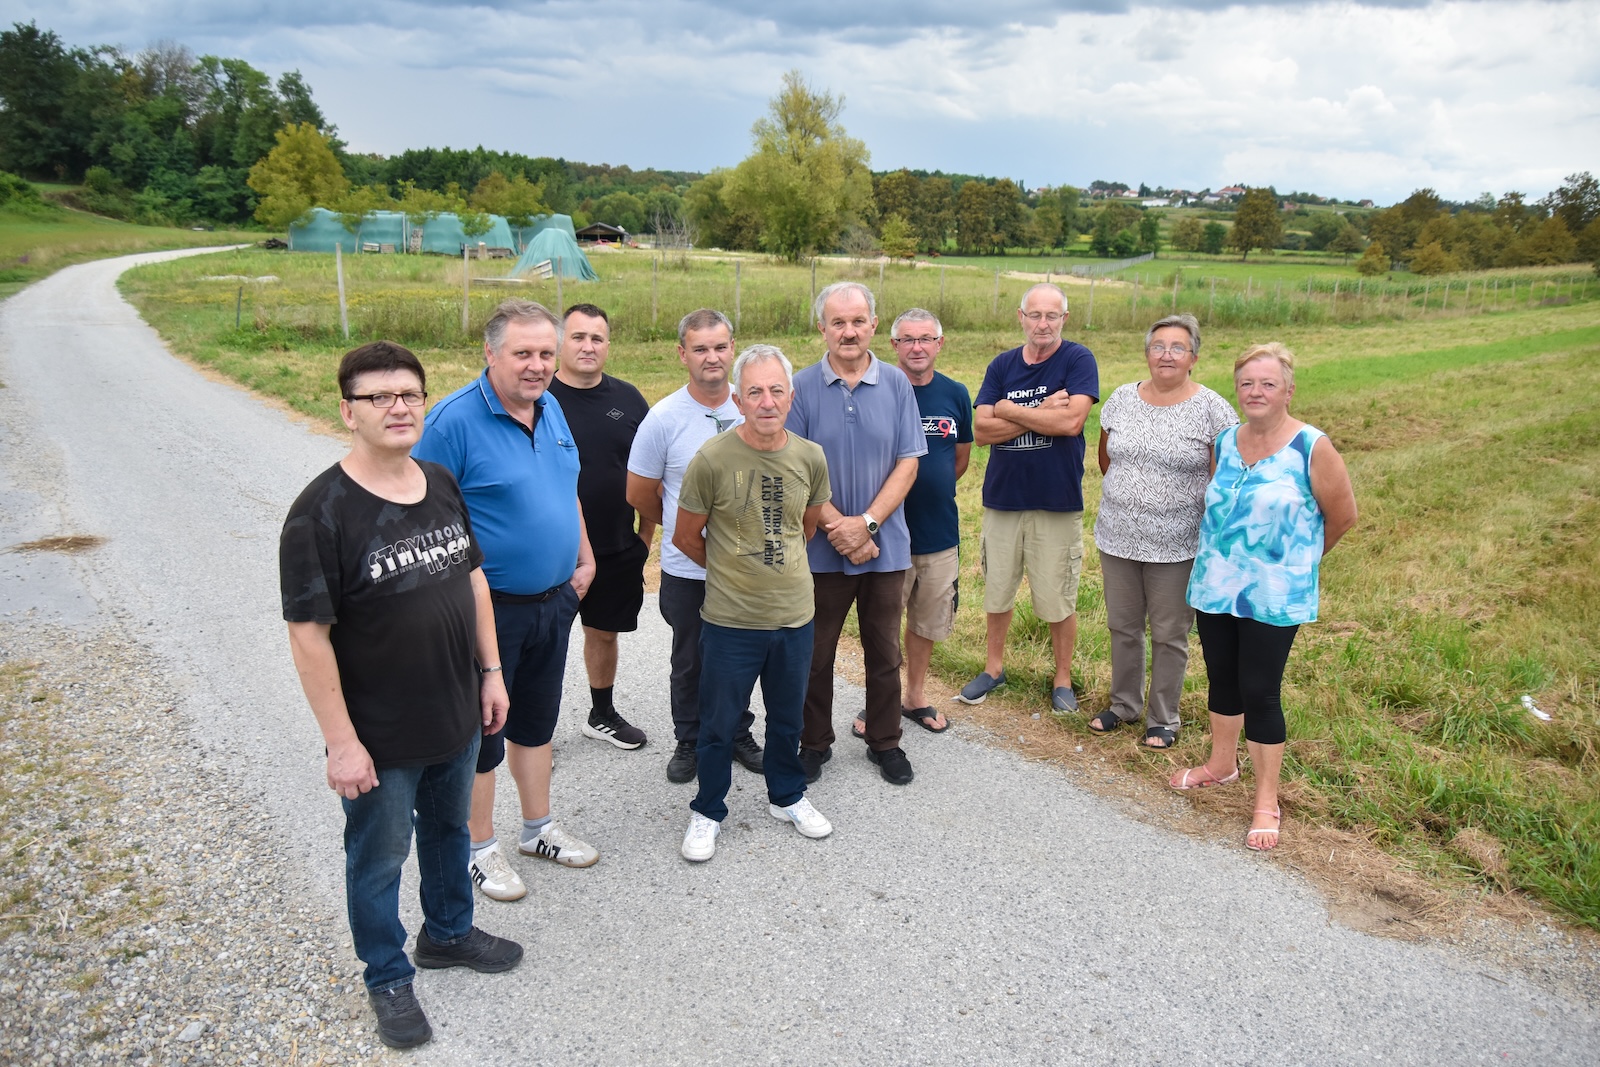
(992, 912)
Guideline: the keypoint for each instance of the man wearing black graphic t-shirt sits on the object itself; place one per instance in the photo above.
(604, 413)
(387, 606)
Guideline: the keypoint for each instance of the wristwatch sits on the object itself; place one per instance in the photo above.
(872, 523)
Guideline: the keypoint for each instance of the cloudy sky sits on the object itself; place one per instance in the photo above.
(1353, 99)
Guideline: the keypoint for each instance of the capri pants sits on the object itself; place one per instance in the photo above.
(1244, 662)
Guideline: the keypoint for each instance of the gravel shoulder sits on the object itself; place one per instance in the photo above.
(147, 916)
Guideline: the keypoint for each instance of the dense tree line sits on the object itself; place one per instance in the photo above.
(1423, 234)
(166, 136)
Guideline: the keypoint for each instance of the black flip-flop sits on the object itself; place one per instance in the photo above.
(1106, 721)
(858, 727)
(925, 718)
(1169, 736)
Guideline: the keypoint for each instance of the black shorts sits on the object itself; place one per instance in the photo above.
(614, 599)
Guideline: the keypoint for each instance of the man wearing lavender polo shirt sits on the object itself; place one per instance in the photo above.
(863, 413)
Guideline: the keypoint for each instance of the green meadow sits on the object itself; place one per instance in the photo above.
(1468, 418)
(35, 242)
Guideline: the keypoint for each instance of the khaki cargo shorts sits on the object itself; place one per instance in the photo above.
(930, 597)
(1048, 545)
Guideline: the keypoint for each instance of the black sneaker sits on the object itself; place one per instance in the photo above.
(684, 764)
(480, 951)
(811, 762)
(606, 725)
(401, 1023)
(747, 752)
(893, 765)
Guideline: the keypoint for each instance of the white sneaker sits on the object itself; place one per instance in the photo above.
(556, 844)
(700, 840)
(808, 820)
(493, 875)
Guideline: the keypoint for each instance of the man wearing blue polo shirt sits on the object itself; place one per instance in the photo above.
(864, 415)
(507, 443)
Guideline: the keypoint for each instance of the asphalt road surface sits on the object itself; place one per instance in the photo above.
(991, 912)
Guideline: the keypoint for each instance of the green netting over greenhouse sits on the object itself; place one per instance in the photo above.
(561, 249)
(322, 230)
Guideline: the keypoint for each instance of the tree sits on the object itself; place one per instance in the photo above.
(1044, 226)
(620, 209)
(1373, 261)
(1149, 233)
(1347, 242)
(1549, 243)
(1186, 234)
(807, 180)
(936, 216)
(1589, 242)
(50, 102)
(1431, 258)
(898, 193)
(898, 239)
(1325, 226)
(517, 199)
(720, 224)
(1213, 238)
(298, 174)
(1256, 223)
(359, 204)
(1576, 202)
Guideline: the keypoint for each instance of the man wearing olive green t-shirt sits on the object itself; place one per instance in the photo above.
(750, 499)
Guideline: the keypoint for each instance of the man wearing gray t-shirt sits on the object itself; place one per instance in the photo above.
(666, 441)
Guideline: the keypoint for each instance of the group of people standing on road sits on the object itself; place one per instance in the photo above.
(431, 578)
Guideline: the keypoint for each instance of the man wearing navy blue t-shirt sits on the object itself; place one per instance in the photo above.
(1031, 409)
(930, 594)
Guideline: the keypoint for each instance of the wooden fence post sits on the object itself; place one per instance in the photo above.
(655, 291)
(996, 309)
(238, 307)
(1175, 289)
(1211, 304)
(811, 322)
(559, 301)
(338, 270)
(737, 264)
(880, 273)
(1090, 324)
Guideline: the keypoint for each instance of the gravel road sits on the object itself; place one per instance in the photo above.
(992, 912)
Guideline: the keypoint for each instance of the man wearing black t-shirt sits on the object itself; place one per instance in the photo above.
(387, 606)
(604, 414)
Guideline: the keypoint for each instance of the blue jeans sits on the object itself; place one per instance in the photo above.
(731, 661)
(436, 799)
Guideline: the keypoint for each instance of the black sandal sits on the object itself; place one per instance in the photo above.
(1106, 721)
(1170, 737)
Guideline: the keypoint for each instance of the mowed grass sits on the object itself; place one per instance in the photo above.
(1473, 578)
(35, 242)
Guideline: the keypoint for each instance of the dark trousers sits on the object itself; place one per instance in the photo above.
(876, 597)
(435, 800)
(735, 660)
(1244, 663)
(680, 600)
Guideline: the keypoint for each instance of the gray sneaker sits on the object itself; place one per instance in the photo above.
(1063, 700)
(978, 690)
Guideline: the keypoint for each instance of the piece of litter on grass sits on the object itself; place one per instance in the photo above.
(1537, 712)
(1036, 715)
(1079, 749)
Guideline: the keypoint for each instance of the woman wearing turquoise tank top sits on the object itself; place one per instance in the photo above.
(1279, 501)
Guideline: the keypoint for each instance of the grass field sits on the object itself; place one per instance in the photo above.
(1473, 578)
(35, 243)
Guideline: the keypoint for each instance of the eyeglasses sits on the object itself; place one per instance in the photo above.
(721, 423)
(925, 342)
(384, 401)
(1052, 317)
(1178, 351)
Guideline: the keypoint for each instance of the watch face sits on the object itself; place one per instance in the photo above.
(872, 527)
